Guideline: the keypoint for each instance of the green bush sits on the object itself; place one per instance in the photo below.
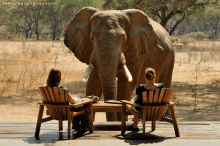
(45, 37)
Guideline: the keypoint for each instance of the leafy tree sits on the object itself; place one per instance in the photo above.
(212, 17)
(24, 17)
(163, 10)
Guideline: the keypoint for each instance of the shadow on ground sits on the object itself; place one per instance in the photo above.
(132, 138)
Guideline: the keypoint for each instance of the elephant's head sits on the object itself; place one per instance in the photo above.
(106, 40)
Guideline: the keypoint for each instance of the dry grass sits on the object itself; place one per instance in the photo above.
(25, 66)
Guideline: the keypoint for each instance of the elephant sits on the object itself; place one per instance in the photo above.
(117, 46)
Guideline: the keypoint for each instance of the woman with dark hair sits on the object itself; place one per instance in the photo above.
(150, 77)
(53, 80)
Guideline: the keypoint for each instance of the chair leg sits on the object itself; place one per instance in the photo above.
(60, 129)
(171, 107)
(69, 121)
(153, 125)
(90, 118)
(144, 119)
(123, 118)
(60, 125)
(39, 121)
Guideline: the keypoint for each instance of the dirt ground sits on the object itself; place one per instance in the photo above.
(187, 76)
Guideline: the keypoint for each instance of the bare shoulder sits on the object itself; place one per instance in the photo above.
(159, 85)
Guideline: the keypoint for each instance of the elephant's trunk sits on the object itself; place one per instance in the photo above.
(107, 74)
(108, 85)
(107, 69)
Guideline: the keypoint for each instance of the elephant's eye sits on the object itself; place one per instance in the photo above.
(124, 39)
(92, 38)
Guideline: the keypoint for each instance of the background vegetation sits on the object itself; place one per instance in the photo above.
(46, 19)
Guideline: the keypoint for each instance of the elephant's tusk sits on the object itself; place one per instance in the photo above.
(87, 72)
(127, 73)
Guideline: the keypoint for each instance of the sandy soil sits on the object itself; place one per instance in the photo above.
(23, 106)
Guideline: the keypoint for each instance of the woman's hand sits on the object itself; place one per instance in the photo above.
(136, 96)
(73, 101)
(94, 98)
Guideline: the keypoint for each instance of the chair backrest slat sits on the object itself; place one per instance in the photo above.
(168, 95)
(156, 97)
(43, 96)
(55, 96)
(161, 95)
(63, 101)
(57, 99)
(51, 95)
(47, 95)
(156, 93)
(67, 96)
(144, 97)
(150, 97)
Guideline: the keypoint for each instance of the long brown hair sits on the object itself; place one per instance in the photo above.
(54, 78)
(149, 73)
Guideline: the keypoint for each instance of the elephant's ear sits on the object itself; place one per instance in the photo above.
(141, 31)
(76, 35)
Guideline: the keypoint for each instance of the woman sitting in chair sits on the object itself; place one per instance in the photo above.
(150, 85)
(53, 80)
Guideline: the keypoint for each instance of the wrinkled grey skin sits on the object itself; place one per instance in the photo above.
(109, 39)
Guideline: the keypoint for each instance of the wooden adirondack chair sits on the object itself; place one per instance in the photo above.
(57, 102)
(156, 103)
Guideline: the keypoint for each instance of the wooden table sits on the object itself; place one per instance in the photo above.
(101, 106)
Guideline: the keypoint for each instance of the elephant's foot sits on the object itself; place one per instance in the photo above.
(111, 116)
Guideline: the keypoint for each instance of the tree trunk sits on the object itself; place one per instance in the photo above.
(36, 19)
(26, 35)
(54, 32)
(163, 15)
(36, 30)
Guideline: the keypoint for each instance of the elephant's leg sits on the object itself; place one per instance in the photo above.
(166, 74)
(94, 86)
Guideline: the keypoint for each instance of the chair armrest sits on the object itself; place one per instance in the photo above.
(83, 102)
(94, 98)
(134, 104)
(129, 102)
(72, 105)
(172, 103)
